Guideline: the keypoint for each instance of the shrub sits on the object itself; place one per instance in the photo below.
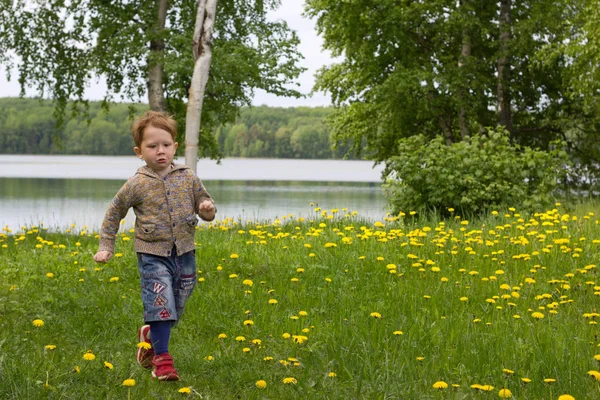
(473, 176)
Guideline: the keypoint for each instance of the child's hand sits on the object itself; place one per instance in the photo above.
(206, 210)
(102, 256)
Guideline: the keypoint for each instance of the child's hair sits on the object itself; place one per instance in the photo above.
(156, 119)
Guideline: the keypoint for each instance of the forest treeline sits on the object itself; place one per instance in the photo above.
(28, 126)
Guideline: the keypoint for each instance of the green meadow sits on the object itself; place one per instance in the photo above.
(332, 307)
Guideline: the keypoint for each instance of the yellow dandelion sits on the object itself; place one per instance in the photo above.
(594, 374)
(50, 275)
(440, 385)
(376, 315)
(89, 356)
(537, 315)
(144, 345)
(234, 256)
(247, 282)
(272, 301)
(108, 365)
(289, 380)
(549, 380)
(185, 390)
(248, 322)
(566, 397)
(261, 384)
(505, 393)
(222, 336)
(50, 347)
(332, 374)
(129, 382)
(525, 380)
(240, 339)
(397, 333)
(38, 323)
(299, 339)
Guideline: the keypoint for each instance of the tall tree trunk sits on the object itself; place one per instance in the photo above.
(156, 94)
(202, 47)
(503, 93)
(444, 119)
(463, 91)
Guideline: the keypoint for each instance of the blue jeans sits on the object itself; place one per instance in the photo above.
(167, 283)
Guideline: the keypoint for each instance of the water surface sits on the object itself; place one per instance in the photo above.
(65, 190)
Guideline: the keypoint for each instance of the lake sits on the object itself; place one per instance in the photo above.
(58, 191)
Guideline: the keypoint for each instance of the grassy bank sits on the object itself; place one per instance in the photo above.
(330, 308)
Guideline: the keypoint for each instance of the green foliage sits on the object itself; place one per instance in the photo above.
(279, 133)
(482, 173)
(28, 127)
(58, 47)
(431, 68)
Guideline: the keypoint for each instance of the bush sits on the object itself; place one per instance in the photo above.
(476, 175)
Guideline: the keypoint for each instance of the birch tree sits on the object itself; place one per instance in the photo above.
(202, 48)
(141, 48)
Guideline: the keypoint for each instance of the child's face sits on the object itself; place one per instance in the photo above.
(157, 149)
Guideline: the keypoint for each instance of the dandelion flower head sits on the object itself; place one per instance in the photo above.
(261, 384)
(440, 385)
(129, 382)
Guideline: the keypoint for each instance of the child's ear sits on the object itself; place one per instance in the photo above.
(176, 145)
(138, 152)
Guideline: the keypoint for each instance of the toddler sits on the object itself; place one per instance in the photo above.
(165, 198)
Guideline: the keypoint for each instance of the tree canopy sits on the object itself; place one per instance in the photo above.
(453, 68)
(57, 47)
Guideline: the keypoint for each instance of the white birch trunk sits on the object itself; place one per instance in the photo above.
(202, 46)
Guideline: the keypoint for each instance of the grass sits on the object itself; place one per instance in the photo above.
(348, 308)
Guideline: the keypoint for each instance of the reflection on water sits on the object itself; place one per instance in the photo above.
(57, 203)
